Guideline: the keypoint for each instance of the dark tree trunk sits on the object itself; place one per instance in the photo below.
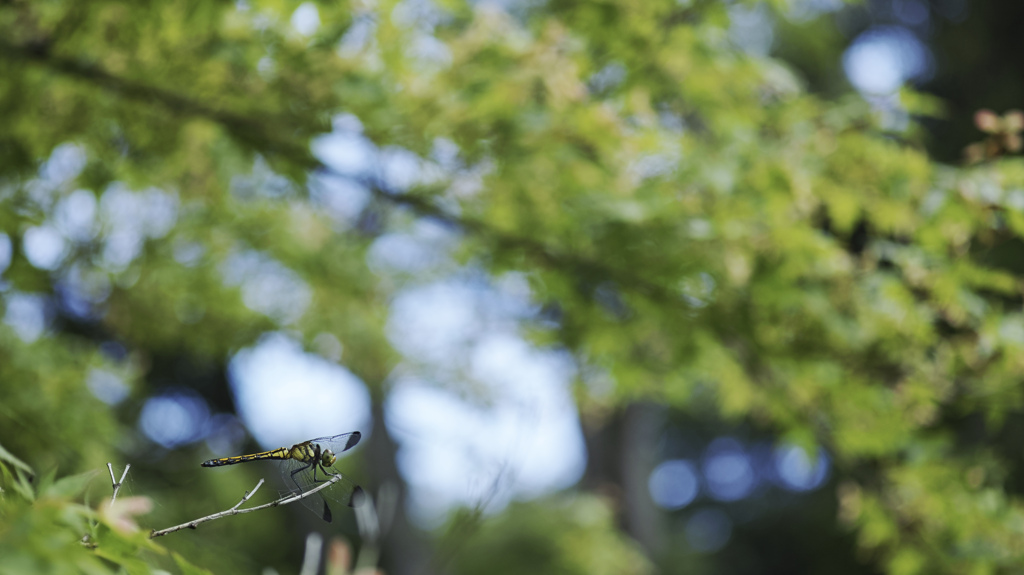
(621, 452)
(403, 549)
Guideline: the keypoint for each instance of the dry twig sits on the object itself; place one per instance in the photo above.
(114, 482)
(236, 511)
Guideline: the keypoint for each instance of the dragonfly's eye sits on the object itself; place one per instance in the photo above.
(328, 458)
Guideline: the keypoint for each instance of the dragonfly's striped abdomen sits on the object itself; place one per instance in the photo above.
(280, 453)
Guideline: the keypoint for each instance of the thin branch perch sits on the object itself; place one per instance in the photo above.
(236, 511)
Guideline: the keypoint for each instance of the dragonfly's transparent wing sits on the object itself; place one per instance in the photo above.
(300, 477)
(338, 443)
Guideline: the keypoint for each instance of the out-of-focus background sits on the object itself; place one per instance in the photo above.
(674, 286)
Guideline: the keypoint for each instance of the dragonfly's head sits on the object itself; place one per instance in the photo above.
(327, 458)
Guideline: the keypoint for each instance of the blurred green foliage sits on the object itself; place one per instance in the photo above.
(44, 530)
(569, 535)
(693, 222)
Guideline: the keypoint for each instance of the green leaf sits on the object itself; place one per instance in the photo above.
(46, 481)
(19, 481)
(921, 104)
(10, 458)
(69, 487)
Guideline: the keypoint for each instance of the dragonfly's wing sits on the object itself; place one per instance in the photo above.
(300, 477)
(338, 443)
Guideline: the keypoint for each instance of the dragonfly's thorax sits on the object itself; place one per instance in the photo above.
(304, 452)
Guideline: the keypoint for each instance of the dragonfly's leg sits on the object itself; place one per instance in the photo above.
(299, 469)
(327, 510)
(326, 473)
(326, 515)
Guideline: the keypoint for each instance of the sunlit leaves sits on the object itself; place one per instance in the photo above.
(693, 227)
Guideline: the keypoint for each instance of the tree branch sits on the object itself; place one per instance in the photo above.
(236, 511)
(41, 53)
(114, 482)
(264, 135)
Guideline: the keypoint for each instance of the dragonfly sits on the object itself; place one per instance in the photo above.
(306, 464)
